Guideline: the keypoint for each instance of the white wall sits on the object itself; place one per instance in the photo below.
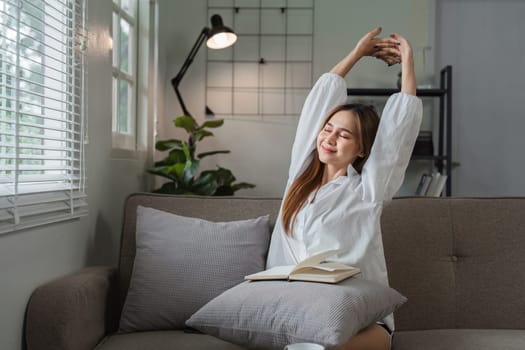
(32, 257)
(483, 41)
(260, 150)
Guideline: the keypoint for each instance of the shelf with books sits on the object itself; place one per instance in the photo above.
(442, 156)
(431, 185)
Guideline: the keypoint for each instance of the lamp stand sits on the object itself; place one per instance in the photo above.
(189, 60)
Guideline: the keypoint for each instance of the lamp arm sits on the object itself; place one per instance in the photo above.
(189, 60)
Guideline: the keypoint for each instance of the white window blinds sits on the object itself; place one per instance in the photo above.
(42, 119)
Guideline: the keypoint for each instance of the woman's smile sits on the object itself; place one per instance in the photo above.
(327, 149)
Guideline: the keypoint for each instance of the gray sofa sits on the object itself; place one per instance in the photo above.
(459, 261)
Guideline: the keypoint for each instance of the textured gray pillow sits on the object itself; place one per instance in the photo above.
(271, 314)
(182, 263)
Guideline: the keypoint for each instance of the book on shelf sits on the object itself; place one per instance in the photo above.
(422, 187)
(313, 269)
(437, 190)
(431, 185)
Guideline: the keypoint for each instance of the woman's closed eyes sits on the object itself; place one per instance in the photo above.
(345, 134)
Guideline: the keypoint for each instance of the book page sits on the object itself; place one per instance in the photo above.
(324, 268)
(317, 259)
(332, 266)
(278, 272)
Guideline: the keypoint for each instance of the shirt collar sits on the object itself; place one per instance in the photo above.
(351, 172)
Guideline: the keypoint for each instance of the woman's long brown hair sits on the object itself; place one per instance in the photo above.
(310, 180)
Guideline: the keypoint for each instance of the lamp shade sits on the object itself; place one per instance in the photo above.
(220, 36)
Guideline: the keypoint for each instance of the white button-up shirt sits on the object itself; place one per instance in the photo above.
(346, 211)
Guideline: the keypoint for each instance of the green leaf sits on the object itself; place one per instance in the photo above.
(242, 185)
(173, 158)
(164, 145)
(224, 176)
(204, 178)
(205, 154)
(182, 190)
(163, 172)
(224, 191)
(207, 189)
(189, 170)
(200, 134)
(212, 124)
(177, 169)
(206, 183)
(176, 156)
(186, 122)
(186, 151)
(170, 188)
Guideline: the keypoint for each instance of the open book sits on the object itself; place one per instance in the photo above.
(313, 269)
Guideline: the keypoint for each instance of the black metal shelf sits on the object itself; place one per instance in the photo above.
(443, 158)
(428, 157)
(258, 88)
(388, 92)
(258, 61)
(261, 7)
(274, 34)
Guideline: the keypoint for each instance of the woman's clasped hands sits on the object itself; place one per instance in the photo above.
(393, 49)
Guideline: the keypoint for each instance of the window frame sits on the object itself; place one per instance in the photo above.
(124, 144)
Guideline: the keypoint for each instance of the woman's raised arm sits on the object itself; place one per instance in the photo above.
(408, 78)
(400, 53)
(368, 45)
(385, 168)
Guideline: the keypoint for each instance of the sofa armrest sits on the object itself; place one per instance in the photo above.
(70, 313)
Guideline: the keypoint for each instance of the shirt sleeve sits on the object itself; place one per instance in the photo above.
(328, 92)
(384, 171)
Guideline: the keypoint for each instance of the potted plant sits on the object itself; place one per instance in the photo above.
(181, 164)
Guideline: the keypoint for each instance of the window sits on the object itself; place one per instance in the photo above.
(42, 171)
(124, 74)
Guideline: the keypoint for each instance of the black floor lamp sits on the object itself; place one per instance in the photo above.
(218, 37)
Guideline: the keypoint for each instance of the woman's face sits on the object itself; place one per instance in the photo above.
(338, 143)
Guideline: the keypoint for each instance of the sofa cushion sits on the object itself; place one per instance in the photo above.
(468, 252)
(181, 263)
(164, 340)
(272, 314)
(460, 339)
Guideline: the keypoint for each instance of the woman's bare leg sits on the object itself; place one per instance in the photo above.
(373, 337)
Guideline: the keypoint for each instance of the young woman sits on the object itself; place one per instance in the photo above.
(344, 165)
